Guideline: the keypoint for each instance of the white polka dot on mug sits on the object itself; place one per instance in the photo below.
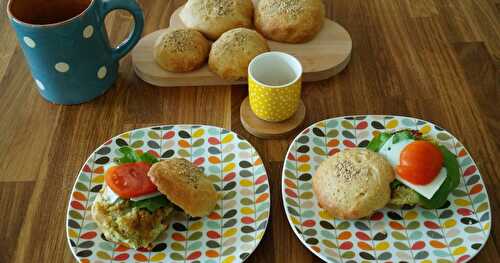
(62, 67)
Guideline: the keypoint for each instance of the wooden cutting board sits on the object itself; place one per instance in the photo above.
(323, 57)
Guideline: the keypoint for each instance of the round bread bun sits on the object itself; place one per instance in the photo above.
(185, 185)
(290, 21)
(353, 183)
(120, 222)
(214, 17)
(233, 51)
(181, 50)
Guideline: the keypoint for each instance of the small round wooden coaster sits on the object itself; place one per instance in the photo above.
(270, 130)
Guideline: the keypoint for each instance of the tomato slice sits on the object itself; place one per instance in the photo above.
(130, 180)
(420, 162)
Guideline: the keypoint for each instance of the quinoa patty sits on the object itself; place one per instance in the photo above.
(122, 223)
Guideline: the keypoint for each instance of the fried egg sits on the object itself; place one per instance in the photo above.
(392, 152)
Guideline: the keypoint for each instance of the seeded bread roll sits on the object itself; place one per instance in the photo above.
(233, 51)
(353, 183)
(290, 21)
(214, 17)
(181, 50)
(185, 185)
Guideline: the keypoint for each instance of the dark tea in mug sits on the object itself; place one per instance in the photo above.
(47, 11)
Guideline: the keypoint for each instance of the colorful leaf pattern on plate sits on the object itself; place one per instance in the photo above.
(229, 234)
(453, 233)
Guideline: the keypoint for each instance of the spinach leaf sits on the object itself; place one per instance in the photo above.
(402, 135)
(131, 156)
(152, 204)
(148, 158)
(395, 184)
(379, 141)
(450, 183)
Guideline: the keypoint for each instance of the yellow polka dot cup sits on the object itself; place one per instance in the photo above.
(274, 86)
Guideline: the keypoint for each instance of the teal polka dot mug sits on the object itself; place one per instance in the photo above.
(66, 45)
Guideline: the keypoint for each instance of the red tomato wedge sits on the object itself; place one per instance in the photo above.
(420, 162)
(130, 180)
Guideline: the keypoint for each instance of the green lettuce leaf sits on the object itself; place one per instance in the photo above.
(152, 204)
(450, 183)
(131, 156)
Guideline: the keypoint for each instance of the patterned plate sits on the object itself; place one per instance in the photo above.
(454, 233)
(230, 234)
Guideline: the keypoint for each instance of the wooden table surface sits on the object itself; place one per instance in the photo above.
(438, 60)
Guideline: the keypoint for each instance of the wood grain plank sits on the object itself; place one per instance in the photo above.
(482, 75)
(421, 8)
(471, 21)
(396, 33)
(80, 130)
(456, 21)
(195, 105)
(436, 60)
(161, 11)
(487, 22)
(25, 118)
(14, 201)
(8, 39)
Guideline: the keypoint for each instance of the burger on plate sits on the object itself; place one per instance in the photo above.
(400, 168)
(141, 193)
(426, 172)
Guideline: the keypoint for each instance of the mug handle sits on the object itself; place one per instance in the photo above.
(133, 7)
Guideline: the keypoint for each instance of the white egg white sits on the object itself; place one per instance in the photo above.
(146, 196)
(109, 195)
